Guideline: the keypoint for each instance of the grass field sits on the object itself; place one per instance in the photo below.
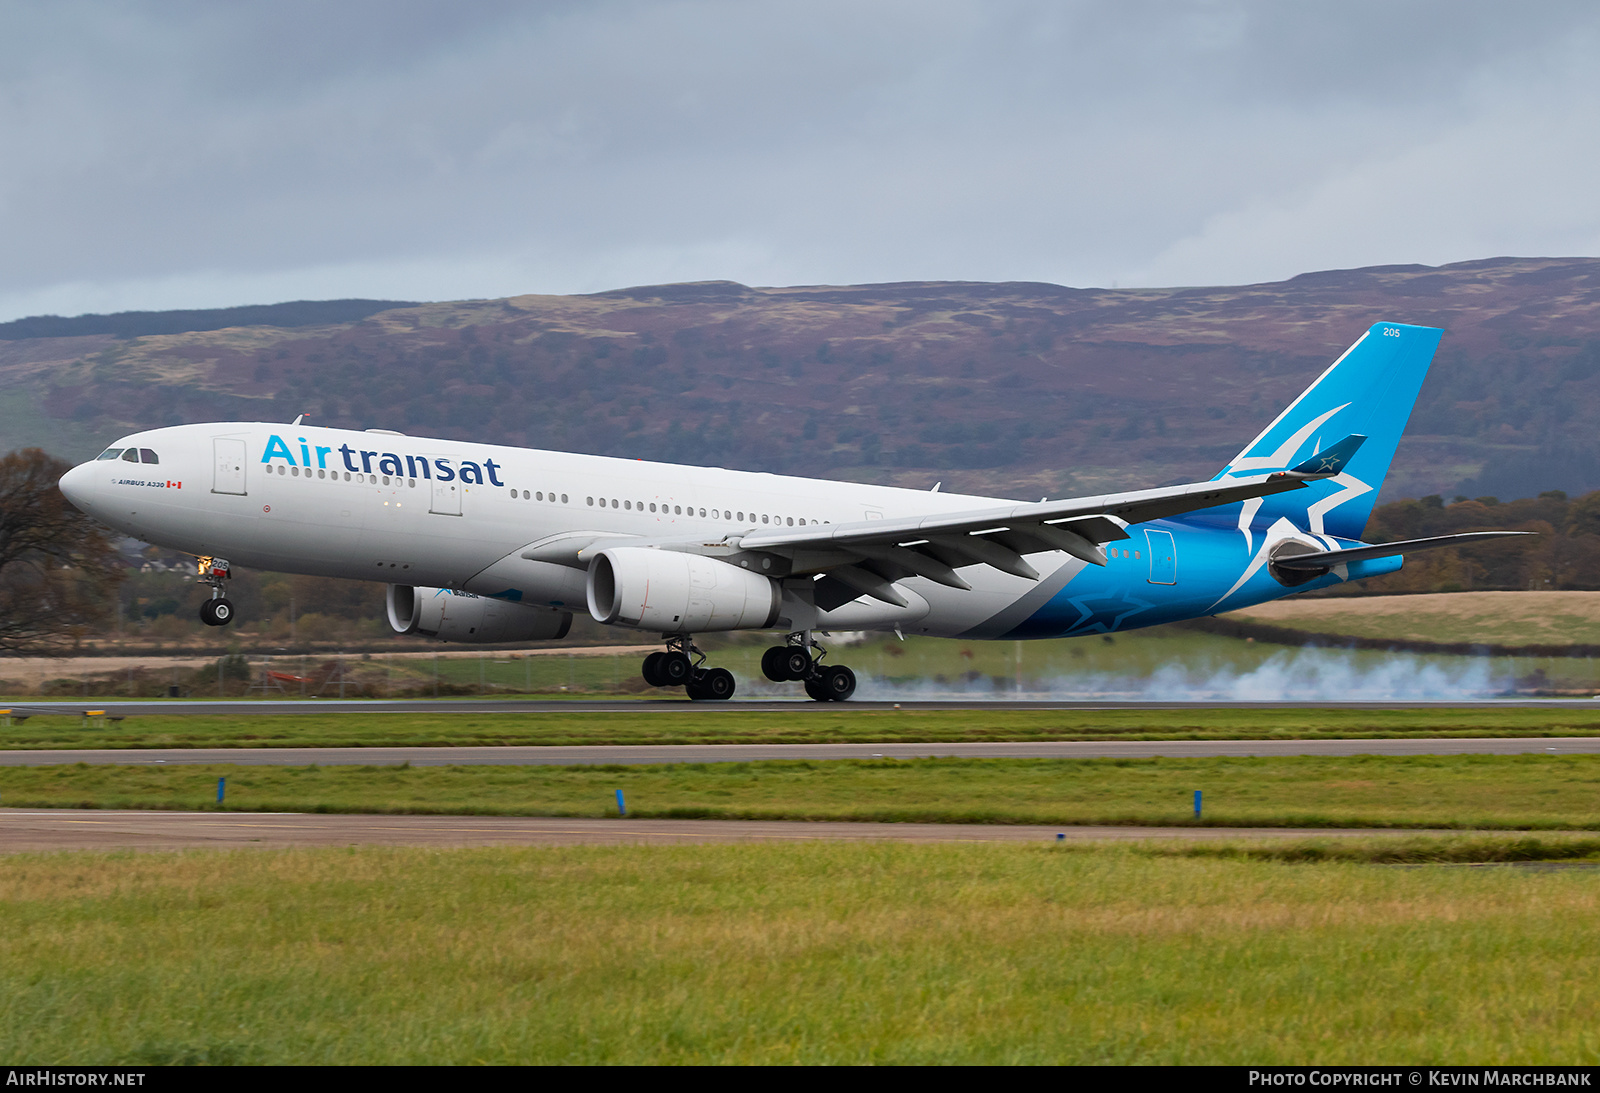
(1492, 618)
(689, 723)
(1464, 792)
(1163, 662)
(808, 953)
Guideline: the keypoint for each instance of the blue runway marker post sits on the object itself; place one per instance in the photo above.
(622, 809)
(1197, 804)
(222, 784)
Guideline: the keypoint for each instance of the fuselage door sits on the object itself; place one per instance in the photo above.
(1163, 557)
(228, 456)
(446, 499)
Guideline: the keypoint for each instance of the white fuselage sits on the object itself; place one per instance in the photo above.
(459, 515)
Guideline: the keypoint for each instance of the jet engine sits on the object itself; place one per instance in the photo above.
(676, 593)
(462, 616)
(1293, 548)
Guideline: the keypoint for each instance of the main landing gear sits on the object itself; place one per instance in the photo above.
(218, 610)
(793, 662)
(683, 665)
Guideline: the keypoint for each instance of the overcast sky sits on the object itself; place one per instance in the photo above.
(198, 155)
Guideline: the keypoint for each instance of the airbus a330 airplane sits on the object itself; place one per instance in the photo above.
(480, 543)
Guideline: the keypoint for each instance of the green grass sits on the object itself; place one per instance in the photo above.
(1498, 618)
(945, 664)
(1464, 791)
(1125, 664)
(790, 953)
(691, 724)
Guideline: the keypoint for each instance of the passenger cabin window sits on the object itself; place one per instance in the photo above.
(111, 453)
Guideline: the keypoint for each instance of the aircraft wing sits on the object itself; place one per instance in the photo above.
(868, 556)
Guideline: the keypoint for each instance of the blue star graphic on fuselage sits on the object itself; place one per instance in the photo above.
(1105, 612)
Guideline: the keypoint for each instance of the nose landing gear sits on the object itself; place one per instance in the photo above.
(683, 665)
(218, 610)
(792, 662)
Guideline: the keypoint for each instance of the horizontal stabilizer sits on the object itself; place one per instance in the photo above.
(1323, 559)
(1331, 461)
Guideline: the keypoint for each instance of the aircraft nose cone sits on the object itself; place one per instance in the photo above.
(74, 486)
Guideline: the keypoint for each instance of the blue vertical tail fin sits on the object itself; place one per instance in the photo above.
(1369, 391)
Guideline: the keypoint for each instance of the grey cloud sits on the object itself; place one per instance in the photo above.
(435, 150)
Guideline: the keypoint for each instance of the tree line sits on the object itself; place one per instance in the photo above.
(1564, 554)
(58, 568)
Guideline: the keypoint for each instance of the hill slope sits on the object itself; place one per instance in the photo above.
(1017, 388)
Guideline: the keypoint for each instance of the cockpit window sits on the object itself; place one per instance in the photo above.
(131, 455)
(111, 453)
(147, 456)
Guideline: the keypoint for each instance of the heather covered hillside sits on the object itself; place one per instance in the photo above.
(1016, 388)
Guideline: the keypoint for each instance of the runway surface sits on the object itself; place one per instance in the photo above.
(90, 829)
(255, 707)
(629, 754)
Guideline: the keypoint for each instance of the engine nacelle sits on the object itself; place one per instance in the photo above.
(464, 617)
(676, 593)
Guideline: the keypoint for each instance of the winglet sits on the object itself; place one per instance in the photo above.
(1329, 461)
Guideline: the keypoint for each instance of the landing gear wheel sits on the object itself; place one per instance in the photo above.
(718, 684)
(652, 669)
(674, 670)
(835, 684)
(796, 662)
(715, 685)
(217, 612)
(772, 664)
